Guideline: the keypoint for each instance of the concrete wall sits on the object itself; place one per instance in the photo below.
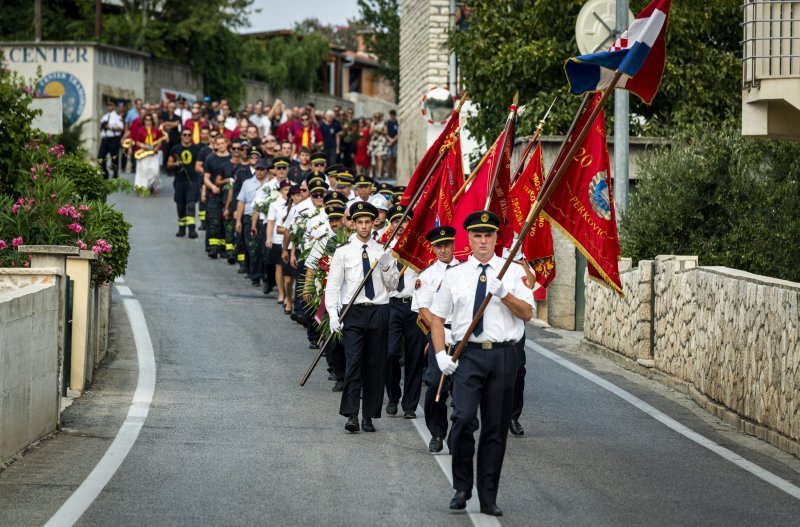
(28, 366)
(733, 336)
(169, 75)
(424, 63)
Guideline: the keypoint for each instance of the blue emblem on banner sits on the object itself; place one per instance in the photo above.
(69, 88)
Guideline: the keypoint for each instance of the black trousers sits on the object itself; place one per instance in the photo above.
(365, 334)
(406, 338)
(109, 146)
(485, 379)
(301, 309)
(255, 245)
(334, 357)
(519, 383)
(185, 199)
(229, 229)
(435, 413)
(215, 230)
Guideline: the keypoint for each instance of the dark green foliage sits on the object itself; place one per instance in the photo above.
(730, 200)
(109, 224)
(84, 175)
(518, 45)
(15, 126)
(70, 137)
(383, 17)
(286, 62)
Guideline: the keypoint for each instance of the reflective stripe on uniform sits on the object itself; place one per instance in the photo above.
(202, 215)
(189, 220)
(239, 257)
(228, 246)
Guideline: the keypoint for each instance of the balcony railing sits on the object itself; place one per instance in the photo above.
(771, 45)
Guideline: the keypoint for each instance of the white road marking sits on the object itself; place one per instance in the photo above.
(685, 431)
(93, 485)
(445, 462)
(124, 290)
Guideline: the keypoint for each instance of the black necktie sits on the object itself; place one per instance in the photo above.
(369, 290)
(480, 294)
(374, 235)
(401, 284)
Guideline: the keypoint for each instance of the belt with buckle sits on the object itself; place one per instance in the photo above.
(364, 304)
(489, 345)
(402, 300)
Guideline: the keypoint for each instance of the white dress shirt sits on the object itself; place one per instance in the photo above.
(347, 272)
(277, 210)
(429, 281)
(248, 193)
(456, 297)
(114, 125)
(409, 278)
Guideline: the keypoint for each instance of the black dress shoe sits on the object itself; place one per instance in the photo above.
(491, 509)
(436, 444)
(459, 501)
(409, 414)
(268, 288)
(313, 346)
(366, 425)
(338, 387)
(331, 376)
(515, 428)
(255, 283)
(391, 408)
(352, 424)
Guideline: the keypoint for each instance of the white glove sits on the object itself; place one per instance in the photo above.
(386, 260)
(335, 324)
(448, 337)
(495, 286)
(446, 363)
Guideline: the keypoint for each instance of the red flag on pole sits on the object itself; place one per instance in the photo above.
(430, 158)
(474, 198)
(538, 245)
(582, 205)
(435, 207)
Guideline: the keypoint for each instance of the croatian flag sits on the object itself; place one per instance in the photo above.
(638, 54)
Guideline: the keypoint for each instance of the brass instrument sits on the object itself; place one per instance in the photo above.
(142, 153)
(127, 143)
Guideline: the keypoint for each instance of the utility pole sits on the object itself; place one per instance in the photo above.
(98, 18)
(621, 127)
(37, 20)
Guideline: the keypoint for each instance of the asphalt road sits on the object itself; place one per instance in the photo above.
(232, 439)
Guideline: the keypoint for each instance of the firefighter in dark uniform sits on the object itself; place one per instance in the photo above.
(238, 159)
(485, 373)
(181, 161)
(441, 239)
(365, 328)
(217, 172)
(405, 336)
(204, 151)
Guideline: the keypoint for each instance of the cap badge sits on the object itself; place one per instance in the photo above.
(484, 217)
(442, 232)
(360, 206)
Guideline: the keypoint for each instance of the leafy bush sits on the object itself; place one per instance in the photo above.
(107, 223)
(15, 125)
(732, 201)
(85, 176)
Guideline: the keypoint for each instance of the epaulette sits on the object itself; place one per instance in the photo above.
(343, 244)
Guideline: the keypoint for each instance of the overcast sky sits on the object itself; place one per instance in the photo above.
(283, 14)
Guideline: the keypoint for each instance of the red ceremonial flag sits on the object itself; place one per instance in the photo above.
(474, 198)
(429, 159)
(538, 245)
(582, 205)
(435, 207)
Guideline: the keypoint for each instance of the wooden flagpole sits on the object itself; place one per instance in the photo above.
(510, 121)
(536, 208)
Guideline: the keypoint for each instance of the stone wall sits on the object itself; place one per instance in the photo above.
(172, 76)
(424, 64)
(28, 366)
(732, 336)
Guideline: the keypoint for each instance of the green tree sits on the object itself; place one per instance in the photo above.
(15, 126)
(286, 62)
(518, 45)
(731, 200)
(383, 17)
(342, 36)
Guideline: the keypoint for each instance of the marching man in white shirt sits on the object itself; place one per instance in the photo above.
(485, 373)
(365, 327)
(441, 238)
(405, 336)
